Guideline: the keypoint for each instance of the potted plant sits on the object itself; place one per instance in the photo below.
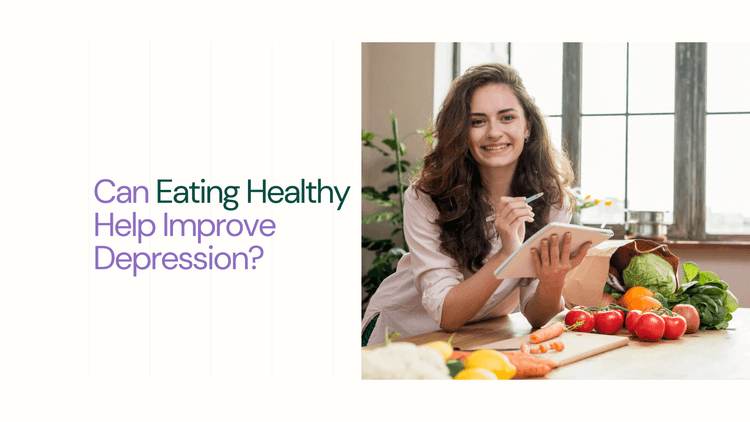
(388, 250)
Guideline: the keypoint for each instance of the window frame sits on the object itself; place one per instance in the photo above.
(691, 63)
(690, 112)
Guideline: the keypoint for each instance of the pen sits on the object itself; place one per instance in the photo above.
(528, 201)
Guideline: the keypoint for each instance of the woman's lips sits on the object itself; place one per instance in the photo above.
(495, 147)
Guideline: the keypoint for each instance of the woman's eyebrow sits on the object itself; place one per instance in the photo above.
(505, 110)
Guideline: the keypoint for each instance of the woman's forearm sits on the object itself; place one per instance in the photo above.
(464, 300)
(543, 305)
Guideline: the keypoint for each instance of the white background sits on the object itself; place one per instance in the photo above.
(137, 91)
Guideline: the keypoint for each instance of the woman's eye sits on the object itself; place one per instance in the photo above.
(508, 117)
(477, 122)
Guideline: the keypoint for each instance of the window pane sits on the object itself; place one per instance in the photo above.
(651, 82)
(727, 152)
(554, 127)
(603, 78)
(603, 167)
(476, 53)
(728, 84)
(540, 66)
(651, 164)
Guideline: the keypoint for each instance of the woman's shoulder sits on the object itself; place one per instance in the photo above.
(419, 202)
(417, 196)
(560, 214)
(414, 193)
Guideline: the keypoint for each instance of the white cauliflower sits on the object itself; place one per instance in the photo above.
(405, 361)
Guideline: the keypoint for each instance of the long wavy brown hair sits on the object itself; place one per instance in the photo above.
(450, 175)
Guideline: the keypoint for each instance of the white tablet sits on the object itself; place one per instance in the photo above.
(521, 264)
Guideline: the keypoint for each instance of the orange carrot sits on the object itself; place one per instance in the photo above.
(525, 348)
(547, 333)
(529, 366)
(534, 350)
(460, 355)
(557, 345)
(543, 348)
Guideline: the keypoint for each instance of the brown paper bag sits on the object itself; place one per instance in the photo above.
(585, 283)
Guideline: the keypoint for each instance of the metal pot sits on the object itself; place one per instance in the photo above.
(645, 225)
(645, 216)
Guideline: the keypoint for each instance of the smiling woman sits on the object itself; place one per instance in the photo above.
(493, 150)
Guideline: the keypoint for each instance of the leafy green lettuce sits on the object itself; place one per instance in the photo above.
(708, 293)
(652, 272)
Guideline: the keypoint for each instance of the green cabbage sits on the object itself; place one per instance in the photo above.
(652, 272)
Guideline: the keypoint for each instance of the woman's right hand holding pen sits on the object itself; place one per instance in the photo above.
(464, 300)
(510, 215)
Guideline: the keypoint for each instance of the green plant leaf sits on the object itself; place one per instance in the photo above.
(377, 218)
(707, 277)
(391, 190)
(367, 135)
(377, 245)
(722, 325)
(428, 135)
(371, 192)
(663, 300)
(377, 148)
(416, 168)
(730, 301)
(393, 167)
(690, 272)
(392, 145)
(381, 202)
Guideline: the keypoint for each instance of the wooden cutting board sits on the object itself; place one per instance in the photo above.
(577, 346)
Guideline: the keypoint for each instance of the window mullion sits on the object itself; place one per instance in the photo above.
(456, 60)
(571, 106)
(690, 142)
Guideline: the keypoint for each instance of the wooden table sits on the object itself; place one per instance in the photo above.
(704, 355)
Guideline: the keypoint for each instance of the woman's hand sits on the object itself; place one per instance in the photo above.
(553, 264)
(551, 268)
(510, 216)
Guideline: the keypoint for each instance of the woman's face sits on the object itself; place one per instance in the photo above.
(497, 127)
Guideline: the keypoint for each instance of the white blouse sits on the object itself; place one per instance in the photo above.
(410, 301)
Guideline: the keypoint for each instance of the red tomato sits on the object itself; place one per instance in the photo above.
(649, 327)
(575, 315)
(674, 326)
(631, 319)
(608, 322)
(621, 313)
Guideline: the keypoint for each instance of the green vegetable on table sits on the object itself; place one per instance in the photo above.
(652, 272)
(708, 293)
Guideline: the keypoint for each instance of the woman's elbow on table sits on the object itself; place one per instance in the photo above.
(538, 317)
(536, 321)
(451, 328)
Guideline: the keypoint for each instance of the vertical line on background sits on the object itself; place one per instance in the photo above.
(149, 205)
(88, 181)
(272, 242)
(627, 118)
(210, 209)
(333, 210)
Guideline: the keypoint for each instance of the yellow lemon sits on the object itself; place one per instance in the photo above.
(475, 374)
(443, 347)
(491, 360)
